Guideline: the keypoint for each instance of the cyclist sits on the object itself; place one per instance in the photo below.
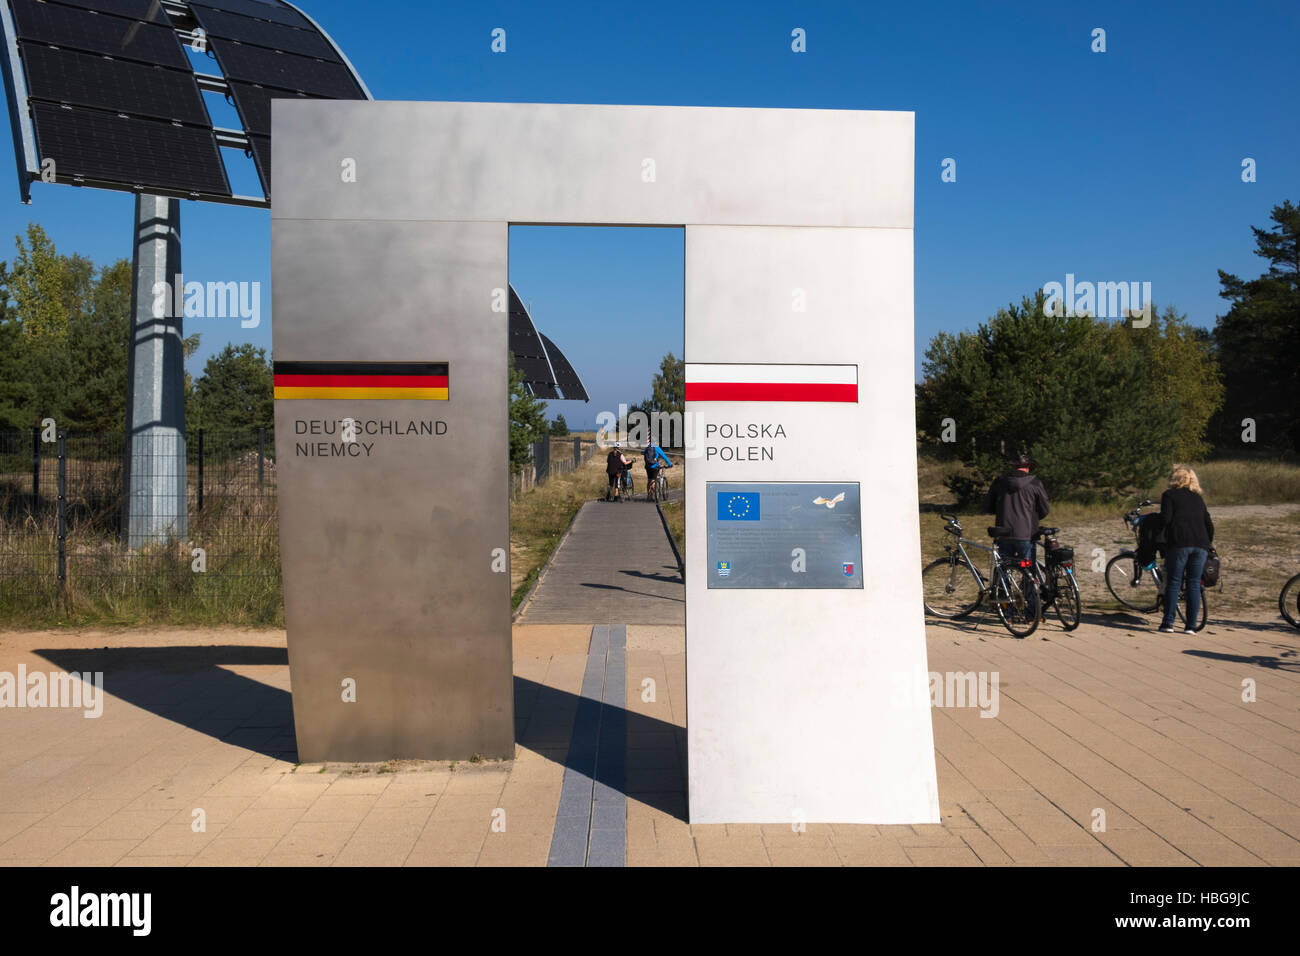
(653, 456)
(1020, 501)
(615, 464)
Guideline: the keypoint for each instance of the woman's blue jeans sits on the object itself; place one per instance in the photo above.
(1192, 562)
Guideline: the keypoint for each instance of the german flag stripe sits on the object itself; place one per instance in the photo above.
(408, 394)
(419, 381)
(360, 368)
(363, 381)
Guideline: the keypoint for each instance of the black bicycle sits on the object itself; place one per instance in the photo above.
(1289, 601)
(1055, 576)
(1139, 583)
(953, 586)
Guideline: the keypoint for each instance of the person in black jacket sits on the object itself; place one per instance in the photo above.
(1020, 501)
(1189, 533)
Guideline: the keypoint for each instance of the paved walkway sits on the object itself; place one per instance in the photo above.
(615, 566)
(1113, 745)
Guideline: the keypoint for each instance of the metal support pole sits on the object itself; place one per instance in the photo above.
(200, 495)
(36, 472)
(156, 506)
(63, 511)
(261, 458)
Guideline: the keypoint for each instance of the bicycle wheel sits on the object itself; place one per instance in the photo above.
(1065, 599)
(1131, 586)
(1289, 601)
(951, 587)
(1018, 603)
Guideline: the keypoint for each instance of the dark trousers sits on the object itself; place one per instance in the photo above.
(1015, 548)
(1192, 562)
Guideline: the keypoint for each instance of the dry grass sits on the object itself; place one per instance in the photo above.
(540, 516)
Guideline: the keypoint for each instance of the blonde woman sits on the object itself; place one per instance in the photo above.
(1189, 533)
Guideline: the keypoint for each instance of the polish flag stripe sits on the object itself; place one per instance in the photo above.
(771, 383)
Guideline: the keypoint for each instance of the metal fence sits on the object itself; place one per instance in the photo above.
(71, 506)
(66, 508)
(552, 457)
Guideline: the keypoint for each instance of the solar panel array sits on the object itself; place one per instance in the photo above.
(547, 373)
(114, 101)
(566, 378)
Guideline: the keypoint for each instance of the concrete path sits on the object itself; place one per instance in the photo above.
(1112, 745)
(615, 566)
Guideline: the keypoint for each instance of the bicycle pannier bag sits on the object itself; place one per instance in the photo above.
(1210, 576)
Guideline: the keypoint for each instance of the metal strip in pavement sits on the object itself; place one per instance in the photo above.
(591, 824)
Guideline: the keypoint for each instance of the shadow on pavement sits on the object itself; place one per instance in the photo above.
(191, 686)
(615, 587)
(673, 578)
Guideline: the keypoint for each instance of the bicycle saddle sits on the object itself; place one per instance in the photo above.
(997, 531)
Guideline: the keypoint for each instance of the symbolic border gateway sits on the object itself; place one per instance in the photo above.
(798, 235)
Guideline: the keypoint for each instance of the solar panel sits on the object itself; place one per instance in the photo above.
(79, 29)
(254, 104)
(82, 79)
(565, 377)
(135, 9)
(526, 346)
(106, 146)
(232, 26)
(265, 11)
(288, 71)
(135, 116)
(262, 160)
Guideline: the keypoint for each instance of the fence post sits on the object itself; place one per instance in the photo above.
(36, 471)
(200, 502)
(63, 510)
(577, 452)
(261, 458)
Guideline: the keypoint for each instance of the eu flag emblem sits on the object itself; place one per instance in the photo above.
(738, 506)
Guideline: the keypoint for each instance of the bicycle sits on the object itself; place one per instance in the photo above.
(1141, 585)
(1056, 584)
(657, 490)
(1288, 601)
(954, 588)
(626, 485)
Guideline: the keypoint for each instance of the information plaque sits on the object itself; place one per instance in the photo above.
(765, 535)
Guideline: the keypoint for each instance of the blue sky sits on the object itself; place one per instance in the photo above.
(1115, 166)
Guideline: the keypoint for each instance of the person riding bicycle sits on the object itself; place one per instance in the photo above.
(615, 464)
(1020, 501)
(653, 456)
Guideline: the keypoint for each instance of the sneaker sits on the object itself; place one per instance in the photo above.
(1168, 630)
(1190, 631)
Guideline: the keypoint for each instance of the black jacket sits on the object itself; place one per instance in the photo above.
(1020, 501)
(1186, 519)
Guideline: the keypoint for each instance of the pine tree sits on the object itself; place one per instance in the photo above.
(1258, 343)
